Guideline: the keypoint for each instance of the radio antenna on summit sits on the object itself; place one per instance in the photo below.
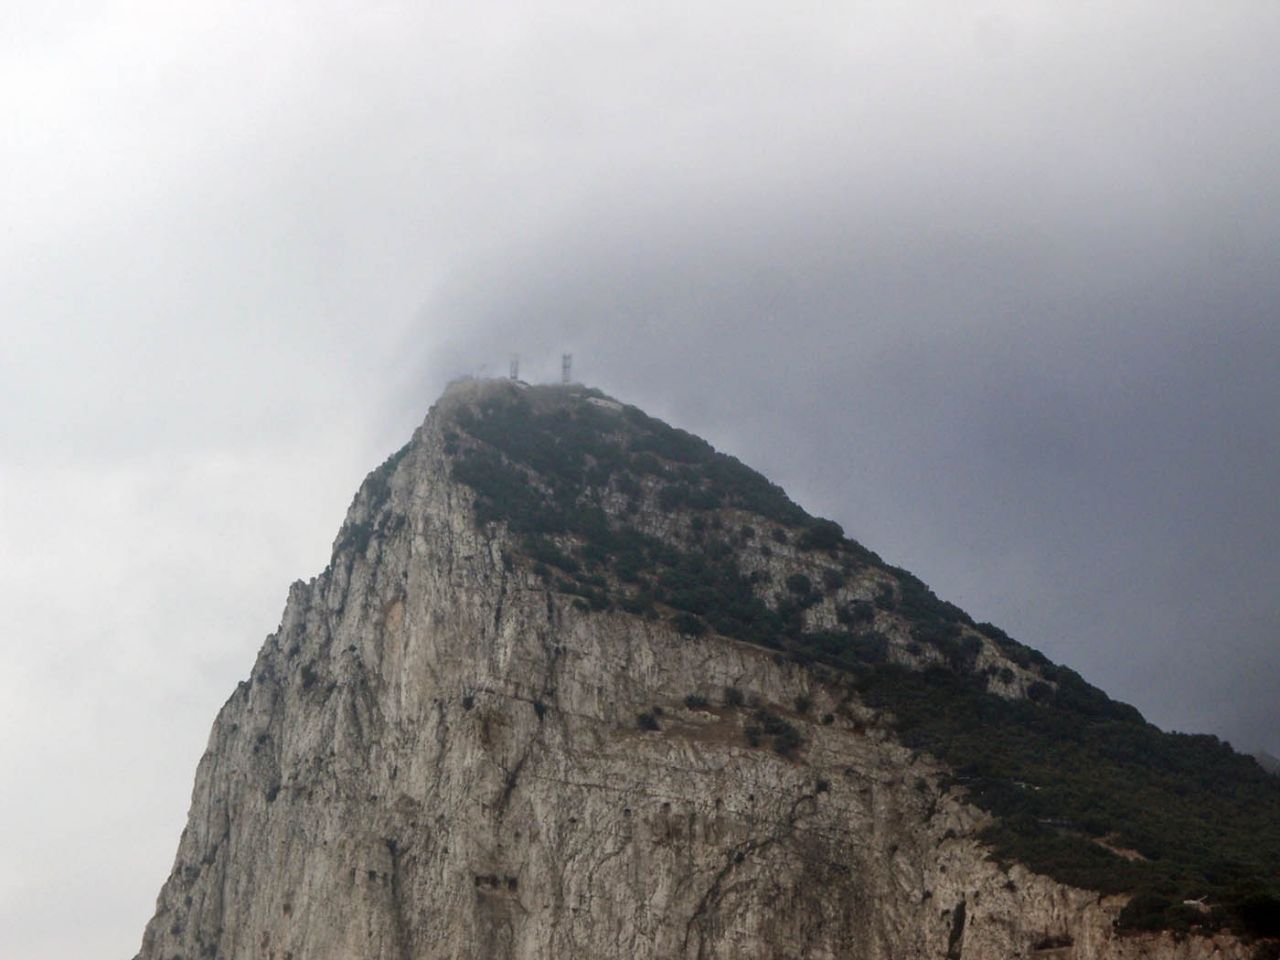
(515, 366)
(566, 368)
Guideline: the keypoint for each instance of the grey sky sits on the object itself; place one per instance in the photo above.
(993, 284)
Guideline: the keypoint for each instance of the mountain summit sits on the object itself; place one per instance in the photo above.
(576, 685)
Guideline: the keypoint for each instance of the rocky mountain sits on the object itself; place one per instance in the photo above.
(575, 685)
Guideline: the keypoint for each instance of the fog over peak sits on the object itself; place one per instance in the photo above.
(994, 286)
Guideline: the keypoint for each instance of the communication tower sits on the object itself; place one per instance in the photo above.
(566, 368)
(515, 366)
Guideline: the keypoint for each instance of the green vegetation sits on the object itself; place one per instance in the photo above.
(546, 468)
(1079, 768)
(782, 736)
(1072, 775)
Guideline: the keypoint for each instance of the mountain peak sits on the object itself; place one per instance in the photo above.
(577, 684)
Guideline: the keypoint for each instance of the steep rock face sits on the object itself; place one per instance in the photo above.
(438, 756)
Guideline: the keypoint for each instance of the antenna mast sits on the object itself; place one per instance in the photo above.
(566, 366)
(515, 366)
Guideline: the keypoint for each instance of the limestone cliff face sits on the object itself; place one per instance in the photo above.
(437, 755)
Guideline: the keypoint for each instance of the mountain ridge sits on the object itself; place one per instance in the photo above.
(522, 422)
(517, 615)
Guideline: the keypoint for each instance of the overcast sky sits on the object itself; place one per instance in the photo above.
(995, 285)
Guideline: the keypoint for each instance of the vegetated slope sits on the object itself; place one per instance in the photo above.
(621, 510)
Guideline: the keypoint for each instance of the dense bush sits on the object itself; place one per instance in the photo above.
(821, 535)
(832, 580)
(689, 625)
(799, 584)
(783, 736)
(1259, 912)
(856, 613)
